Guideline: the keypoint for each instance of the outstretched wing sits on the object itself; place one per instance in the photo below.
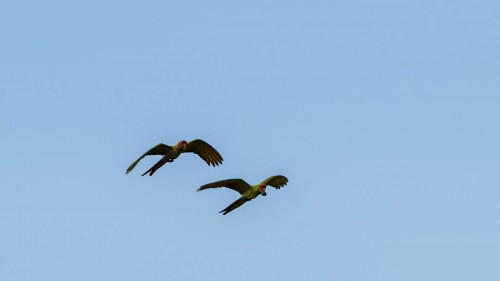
(205, 151)
(238, 185)
(276, 181)
(159, 149)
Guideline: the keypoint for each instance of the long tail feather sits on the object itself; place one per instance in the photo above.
(147, 171)
(234, 205)
(156, 166)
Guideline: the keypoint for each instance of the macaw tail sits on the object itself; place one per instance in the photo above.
(234, 205)
(157, 166)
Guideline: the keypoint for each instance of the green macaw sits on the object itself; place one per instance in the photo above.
(247, 191)
(203, 149)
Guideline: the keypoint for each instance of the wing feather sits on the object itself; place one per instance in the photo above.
(159, 149)
(276, 181)
(238, 185)
(205, 151)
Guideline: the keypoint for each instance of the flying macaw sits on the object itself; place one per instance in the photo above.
(247, 191)
(170, 153)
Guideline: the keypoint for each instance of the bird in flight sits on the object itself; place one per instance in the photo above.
(170, 153)
(247, 191)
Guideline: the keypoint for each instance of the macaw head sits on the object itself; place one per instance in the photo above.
(262, 189)
(182, 145)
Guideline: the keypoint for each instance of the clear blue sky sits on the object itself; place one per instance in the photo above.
(384, 115)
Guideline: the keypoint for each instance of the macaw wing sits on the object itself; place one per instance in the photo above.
(238, 185)
(205, 151)
(276, 181)
(159, 149)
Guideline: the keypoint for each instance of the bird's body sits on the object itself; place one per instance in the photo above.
(170, 153)
(252, 193)
(248, 192)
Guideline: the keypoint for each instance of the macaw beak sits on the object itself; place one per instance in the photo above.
(264, 193)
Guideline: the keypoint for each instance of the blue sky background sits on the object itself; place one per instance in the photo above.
(384, 115)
